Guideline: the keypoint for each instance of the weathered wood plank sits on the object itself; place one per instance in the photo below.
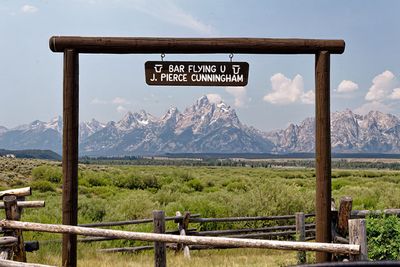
(160, 250)
(248, 230)
(247, 219)
(363, 213)
(7, 241)
(8, 263)
(27, 204)
(194, 240)
(346, 204)
(13, 213)
(139, 221)
(300, 235)
(358, 236)
(19, 192)
(143, 45)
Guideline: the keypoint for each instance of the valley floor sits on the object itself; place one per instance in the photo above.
(116, 193)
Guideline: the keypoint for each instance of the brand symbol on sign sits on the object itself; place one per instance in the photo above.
(158, 68)
(236, 69)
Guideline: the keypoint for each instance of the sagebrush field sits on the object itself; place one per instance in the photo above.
(113, 193)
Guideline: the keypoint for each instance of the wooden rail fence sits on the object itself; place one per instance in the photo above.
(349, 232)
(12, 246)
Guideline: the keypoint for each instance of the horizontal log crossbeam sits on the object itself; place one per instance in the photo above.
(189, 240)
(141, 45)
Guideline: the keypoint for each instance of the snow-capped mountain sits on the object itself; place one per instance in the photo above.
(36, 135)
(203, 127)
(87, 128)
(374, 132)
(207, 127)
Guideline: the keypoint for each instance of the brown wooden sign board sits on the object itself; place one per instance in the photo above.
(188, 73)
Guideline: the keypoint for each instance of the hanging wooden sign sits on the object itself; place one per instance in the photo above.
(186, 73)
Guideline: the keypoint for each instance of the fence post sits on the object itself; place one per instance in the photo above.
(160, 256)
(185, 226)
(13, 213)
(300, 235)
(346, 204)
(182, 228)
(358, 236)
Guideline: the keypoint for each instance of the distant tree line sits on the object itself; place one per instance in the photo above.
(262, 163)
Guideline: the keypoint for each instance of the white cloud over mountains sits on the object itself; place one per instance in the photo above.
(288, 91)
(381, 86)
(382, 95)
(347, 86)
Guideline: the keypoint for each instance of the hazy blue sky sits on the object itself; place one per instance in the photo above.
(280, 88)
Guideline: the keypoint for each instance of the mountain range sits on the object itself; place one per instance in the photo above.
(207, 127)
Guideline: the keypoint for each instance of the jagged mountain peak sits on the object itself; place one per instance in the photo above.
(137, 119)
(171, 114)
(55, 123)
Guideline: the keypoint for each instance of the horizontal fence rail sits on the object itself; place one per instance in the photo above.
(129, 222)
(364, 213)
(19, 192)
(27, 204)
(189, 240)
(244, 219)
(248, 230)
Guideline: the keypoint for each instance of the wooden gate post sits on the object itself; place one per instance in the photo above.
(70, 154)
(160, 256)
(322, 152)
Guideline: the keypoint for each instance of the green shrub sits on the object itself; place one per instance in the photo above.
(237, 186)
(43, 186)
(134, 181)
(92, 209)
(49, 173)
(196, 184)
(383, 238)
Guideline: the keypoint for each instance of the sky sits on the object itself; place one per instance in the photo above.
(280, 89)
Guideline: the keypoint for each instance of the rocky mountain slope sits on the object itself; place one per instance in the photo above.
(374, 132)
(207, 127)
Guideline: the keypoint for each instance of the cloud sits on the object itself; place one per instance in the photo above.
(346, 86)
(308, 98)
(374, 105)
(97, 101)
(121, 109)
(288, 91)
(381, 86)
(120, 101)
(29, 9)
(395, 95)
(239, 93)
(214, 98)
(168, 11)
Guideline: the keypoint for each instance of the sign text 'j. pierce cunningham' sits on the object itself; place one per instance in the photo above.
(186, 73)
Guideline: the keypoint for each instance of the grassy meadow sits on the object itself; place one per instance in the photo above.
(113, 193)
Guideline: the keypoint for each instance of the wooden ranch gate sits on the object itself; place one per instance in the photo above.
(73, 46)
